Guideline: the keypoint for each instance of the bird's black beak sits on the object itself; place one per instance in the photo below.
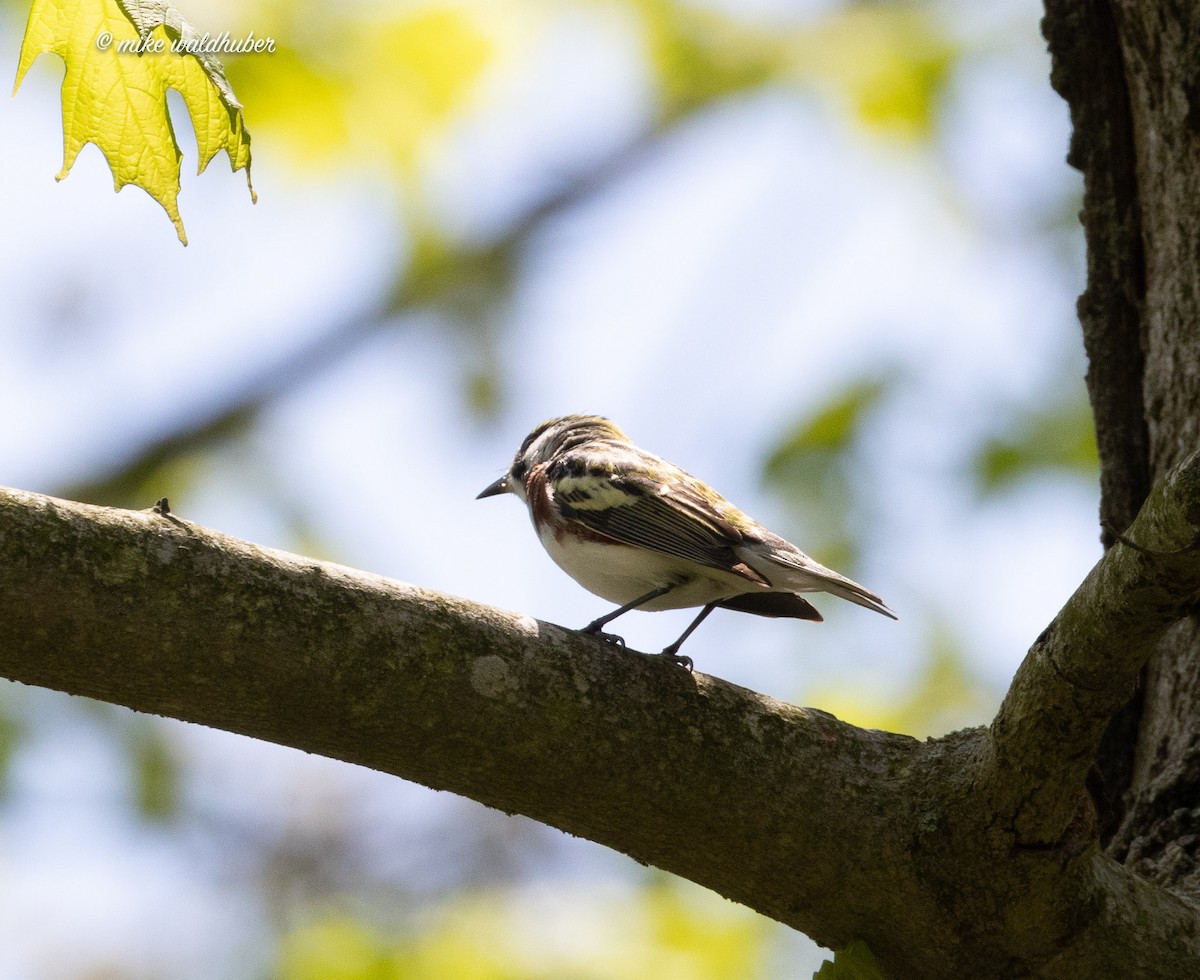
(500, 486)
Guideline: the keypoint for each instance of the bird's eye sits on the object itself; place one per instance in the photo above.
(519, 469)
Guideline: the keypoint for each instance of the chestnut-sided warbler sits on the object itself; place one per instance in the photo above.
(639, 531)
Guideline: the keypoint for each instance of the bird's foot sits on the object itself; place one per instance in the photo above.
(677, 658)
(593, 629)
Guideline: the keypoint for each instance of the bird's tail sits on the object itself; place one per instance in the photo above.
(846, 588)
(786, 566)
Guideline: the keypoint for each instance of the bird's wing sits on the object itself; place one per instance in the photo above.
(667, 512)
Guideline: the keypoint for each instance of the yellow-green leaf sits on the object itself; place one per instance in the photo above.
(1057, 438)
(832, 427)
(116, 98)
(889, 61)
(432, 59)
(155, 770)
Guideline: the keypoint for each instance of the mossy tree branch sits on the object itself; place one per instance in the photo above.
(959, 856)
(1084, 666)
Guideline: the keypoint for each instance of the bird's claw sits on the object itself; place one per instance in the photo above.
(594, 629)
(678, 658)
(610, 638)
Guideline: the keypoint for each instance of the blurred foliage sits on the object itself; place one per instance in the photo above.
(698, 55)
(156, 769)
(944, 696)
(407, 72)
(416, 74)
(1058, 437)
(816, 467)
(300, 102)
(664, 931)
(384, 85)
(829, 430)
(820, 466)
(160, 472)
(368, 83)
(855, 962)
(12, 731)
(889, 63)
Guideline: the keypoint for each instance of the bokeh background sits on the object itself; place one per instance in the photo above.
(822, 254)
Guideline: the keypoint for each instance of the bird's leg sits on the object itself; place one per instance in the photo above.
(672, 651)
(594, 626)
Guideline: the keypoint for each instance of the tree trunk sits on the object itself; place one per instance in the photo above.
(1130, 70)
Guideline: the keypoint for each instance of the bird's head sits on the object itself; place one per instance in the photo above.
(552, 437)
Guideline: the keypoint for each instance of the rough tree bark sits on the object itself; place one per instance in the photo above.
(1130, 71)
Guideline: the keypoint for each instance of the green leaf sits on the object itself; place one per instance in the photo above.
(1060, 438)
(832, 427)
(155, 770)
(12, 732)
(855, 962)
(117, 98)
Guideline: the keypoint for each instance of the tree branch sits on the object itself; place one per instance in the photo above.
(625, 749)
(838, 831)
(1083, 667)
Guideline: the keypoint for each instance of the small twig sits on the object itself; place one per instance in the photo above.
(1118, 536)
(162, 508)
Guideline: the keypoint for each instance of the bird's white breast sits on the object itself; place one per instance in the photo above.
(621, 573)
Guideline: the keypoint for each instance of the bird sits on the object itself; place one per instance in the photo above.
(638, 531)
